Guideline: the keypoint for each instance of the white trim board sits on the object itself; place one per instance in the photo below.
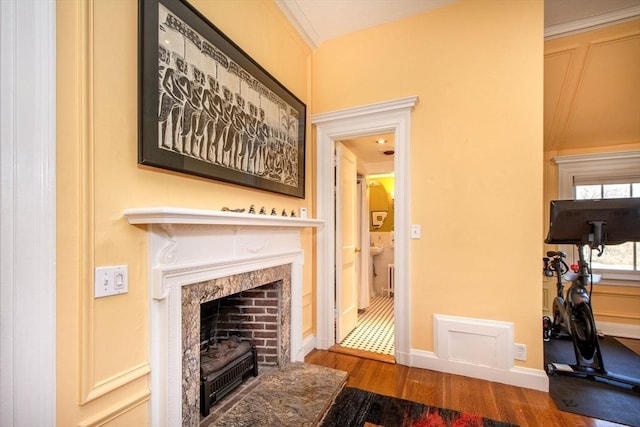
(535, 379)
(623, 330)
(28, 220)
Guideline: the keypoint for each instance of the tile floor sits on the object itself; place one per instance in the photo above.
(375, 330)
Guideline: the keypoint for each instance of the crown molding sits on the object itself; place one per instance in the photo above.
(621, 155)
(591, 23)
(300, 22)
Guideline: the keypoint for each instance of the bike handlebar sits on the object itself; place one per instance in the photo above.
(555, 264)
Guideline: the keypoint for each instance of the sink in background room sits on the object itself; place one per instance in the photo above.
(376, 250)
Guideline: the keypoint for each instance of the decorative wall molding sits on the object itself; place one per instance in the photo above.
(599, 64)
(561, 108)
(100, 388)
(627, 294)
(89, 389)
(133, 402)
(92, 386)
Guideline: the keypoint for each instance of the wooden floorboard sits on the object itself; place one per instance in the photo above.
(630, 343)
(501, 402)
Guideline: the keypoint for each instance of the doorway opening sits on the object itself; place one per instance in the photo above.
(386, 117)
(371, 334)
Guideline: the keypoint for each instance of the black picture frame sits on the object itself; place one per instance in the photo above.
(206, 108)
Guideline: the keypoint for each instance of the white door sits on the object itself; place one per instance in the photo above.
(346, 242)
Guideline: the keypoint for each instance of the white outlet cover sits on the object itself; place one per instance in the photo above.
(520, 352)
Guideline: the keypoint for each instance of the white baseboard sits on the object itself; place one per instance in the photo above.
(619, 329)
(403, 358)
(308, 344)
(535, 379)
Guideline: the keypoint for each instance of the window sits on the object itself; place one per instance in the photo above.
(614, 175)
(622, 257)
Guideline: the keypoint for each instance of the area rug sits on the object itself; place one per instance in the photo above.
(358, 408)
(606, 400)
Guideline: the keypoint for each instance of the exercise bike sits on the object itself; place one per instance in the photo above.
(573, 316)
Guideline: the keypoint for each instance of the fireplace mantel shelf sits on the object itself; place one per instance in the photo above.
(173, 215)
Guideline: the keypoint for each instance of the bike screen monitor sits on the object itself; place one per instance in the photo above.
(594, 222)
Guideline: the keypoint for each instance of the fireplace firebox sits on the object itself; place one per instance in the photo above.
(237, 333)
(218, 377)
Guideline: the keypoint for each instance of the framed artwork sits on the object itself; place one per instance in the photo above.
(208, 109)
(377, 218)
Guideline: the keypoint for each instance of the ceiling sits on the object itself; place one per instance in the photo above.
(373, 158)
(321, 20)
(584, 81)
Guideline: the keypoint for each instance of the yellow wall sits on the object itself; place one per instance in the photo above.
(476, 172)
(382, 200)
(102, 345)
(476, 153)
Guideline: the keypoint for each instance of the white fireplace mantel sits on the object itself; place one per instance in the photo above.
(189, 246)
(172, 215)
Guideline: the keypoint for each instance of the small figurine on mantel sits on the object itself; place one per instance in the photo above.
(252, 209)
(263, 211)
(238, 210)
(284, 212)
(273, 211)
(293, 213)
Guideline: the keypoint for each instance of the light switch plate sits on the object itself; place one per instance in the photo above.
(112, 280)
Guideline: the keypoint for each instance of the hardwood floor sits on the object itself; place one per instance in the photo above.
(497, 401)
(632, 344)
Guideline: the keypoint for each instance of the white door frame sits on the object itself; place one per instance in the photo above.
(385, 117)
(28, 220)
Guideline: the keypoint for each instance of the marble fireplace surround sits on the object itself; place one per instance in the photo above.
(188, 247)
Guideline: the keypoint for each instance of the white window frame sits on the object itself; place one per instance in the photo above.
(594, 166)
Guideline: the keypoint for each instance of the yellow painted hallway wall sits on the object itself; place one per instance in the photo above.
(102, 344)
(476, 153)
